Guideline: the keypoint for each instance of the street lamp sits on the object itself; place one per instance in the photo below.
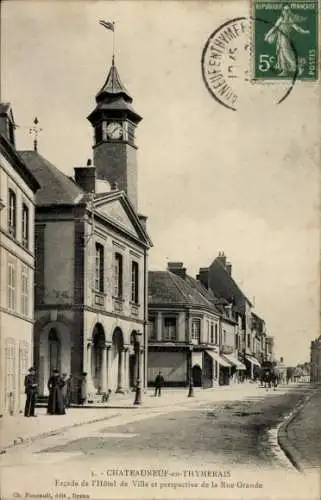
(138, 392)
(190, 385)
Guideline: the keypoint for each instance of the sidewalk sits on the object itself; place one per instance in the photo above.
(15, 430)
(301, 437)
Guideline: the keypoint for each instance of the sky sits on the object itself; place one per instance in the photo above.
(210, 179)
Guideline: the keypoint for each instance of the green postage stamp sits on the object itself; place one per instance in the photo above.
(285, 39)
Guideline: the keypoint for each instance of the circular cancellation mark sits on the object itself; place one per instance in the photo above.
(227, 67)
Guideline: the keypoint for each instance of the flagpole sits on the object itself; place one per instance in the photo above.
(113, 41)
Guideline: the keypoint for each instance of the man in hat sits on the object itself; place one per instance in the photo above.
(31, 392)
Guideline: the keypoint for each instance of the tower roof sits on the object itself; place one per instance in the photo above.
(113, 86)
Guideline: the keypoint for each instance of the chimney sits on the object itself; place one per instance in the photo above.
(7, 125)
(177, 268)
(143, 220)
(228, 268)
(85, 177)
(203, 277)
(222, 258)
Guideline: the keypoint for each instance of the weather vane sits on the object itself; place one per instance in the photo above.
(35, 131)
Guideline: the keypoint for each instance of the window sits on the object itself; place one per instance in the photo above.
(10, 377)
(169, 328)
(131, 132)
(216, 339)
(118, 275)
(24, 291)
(249, 340)
(12, 213)
(224, 337)
(25, 226)
(196, 330)
(23, 363)
(12, 285)
(152, 329)
(212, 334)
(99, 268)
(135, 270)
(98, 134)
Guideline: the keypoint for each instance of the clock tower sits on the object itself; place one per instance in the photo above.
(114, 121)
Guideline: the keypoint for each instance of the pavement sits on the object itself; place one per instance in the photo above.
(15, 430)
(211, 446)
(300, 435)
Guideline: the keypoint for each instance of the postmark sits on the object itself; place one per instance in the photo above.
(227, 68)
(285, 39)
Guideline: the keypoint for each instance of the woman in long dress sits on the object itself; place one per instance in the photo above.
(281, 35)
(56, 404)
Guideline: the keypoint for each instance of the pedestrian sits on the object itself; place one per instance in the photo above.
(68, 391)
(56, 402)
(83, 388)
(159, 382)
(31, 392)
(64, 387)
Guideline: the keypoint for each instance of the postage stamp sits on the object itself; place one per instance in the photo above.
(285, 39)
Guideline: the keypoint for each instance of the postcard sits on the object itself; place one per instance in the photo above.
(160, 250)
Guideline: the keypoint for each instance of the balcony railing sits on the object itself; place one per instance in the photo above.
(99, 299)
(118, 305)
(134, 310)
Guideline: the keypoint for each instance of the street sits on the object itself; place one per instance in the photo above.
(225, 444)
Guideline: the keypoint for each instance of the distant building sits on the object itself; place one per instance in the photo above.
(17, 201)
(281, 370)
(269, 348)
(315, 357)
(187, 333)
(92, 258)
(218, 278)
(259, 337)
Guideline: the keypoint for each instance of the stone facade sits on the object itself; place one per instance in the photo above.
(17, 195)
(92, 260)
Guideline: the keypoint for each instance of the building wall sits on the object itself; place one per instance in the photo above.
(59, 262)
(16, 316)
(116, 162)
(315, 375)
(228, 334)
(113, 242)
(173, 366)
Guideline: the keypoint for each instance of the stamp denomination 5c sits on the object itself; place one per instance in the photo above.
(285, 39)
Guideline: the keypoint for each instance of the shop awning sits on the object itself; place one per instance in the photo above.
(253, 360)
(235, 361)
(221, 361)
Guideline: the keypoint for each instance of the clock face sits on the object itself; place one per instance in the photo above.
(114, 130)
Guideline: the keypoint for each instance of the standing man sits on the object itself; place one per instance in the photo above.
(31, 392)
(159, 382)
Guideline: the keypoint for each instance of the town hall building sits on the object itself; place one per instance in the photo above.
(92, 258)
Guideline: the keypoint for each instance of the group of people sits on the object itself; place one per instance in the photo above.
(59, 387)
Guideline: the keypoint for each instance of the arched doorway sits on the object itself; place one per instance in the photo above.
(54, 350)
(98, 346)
(117, 361)
(197, 376)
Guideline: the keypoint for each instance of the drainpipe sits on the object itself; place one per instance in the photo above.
(145, 329)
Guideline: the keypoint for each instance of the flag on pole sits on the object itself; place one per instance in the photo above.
(107, 25)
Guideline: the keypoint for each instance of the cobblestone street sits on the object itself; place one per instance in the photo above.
(226, 437)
